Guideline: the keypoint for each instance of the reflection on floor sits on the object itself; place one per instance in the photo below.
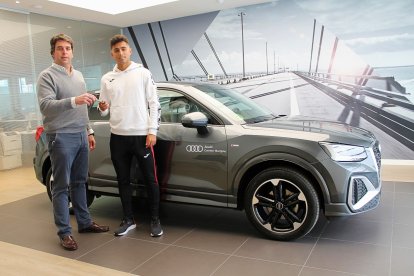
(201, 240)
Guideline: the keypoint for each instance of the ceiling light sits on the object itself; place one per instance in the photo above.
(113, 7)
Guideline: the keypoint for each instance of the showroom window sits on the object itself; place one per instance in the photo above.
(25, 52)
(4, 87)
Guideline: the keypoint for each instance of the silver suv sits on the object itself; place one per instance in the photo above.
(216, 147)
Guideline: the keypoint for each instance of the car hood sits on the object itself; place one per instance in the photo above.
(337, 132)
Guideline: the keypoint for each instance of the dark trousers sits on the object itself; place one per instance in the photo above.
(123, 149)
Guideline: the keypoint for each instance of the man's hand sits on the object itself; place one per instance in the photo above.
(103, 105)
(85, 98)
(151, 140)
(92, 143)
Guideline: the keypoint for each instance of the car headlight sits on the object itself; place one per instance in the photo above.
(344, 153)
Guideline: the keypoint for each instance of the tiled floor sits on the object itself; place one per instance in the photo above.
(213, 241)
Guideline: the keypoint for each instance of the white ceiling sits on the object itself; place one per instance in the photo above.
(171, 10)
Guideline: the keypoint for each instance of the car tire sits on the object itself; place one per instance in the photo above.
(282, 203)
(49, 184)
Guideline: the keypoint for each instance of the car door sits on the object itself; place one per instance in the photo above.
(191, 167)
(102, 175)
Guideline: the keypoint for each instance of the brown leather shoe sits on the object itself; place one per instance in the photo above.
(68, 243)
(94, 228)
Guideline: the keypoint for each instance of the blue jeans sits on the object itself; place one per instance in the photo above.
(69, 154)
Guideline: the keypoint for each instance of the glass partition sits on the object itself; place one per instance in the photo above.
(25, 52)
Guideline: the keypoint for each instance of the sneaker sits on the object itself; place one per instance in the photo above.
(156, 230)
(125, 226)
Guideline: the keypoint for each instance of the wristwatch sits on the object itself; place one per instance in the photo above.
(90, 131)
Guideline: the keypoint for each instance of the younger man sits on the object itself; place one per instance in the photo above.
(131, 95)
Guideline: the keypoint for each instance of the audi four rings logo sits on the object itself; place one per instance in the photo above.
(194, 148)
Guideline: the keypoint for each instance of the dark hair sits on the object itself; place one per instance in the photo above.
(57, 38)
(118, 38)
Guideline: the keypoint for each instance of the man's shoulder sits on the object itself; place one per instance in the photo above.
(76, 71)
(108, 75)
(138, 67)
(143, 72)
(47, 73)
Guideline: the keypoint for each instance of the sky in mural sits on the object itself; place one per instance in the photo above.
(380, 31)
(278, 35)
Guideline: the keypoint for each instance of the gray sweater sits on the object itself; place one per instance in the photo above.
(55, 87)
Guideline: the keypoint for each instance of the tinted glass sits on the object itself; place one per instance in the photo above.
(243, 107)
(175, 105)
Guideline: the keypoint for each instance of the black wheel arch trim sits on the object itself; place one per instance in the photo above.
(239, 181)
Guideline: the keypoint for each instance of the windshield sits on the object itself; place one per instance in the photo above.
(243, 107)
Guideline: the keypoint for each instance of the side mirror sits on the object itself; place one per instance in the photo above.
(195, 120)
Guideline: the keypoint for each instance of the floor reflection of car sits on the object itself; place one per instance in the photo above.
(216, 147)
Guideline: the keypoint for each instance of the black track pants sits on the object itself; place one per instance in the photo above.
(123, 148)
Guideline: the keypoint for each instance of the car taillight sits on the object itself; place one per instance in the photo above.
(39, 131)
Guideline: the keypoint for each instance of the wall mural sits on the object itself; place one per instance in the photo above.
(349, 61)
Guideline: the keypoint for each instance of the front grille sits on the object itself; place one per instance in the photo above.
(359, 190)
(371, 204)
(377, 154)
(362, 195)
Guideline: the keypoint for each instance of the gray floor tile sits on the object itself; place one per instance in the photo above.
(205, 236)
(388, 186)
(9, 226)
(122, 253)
(358, 230)
(387, 198)
(42, 236)
(350, 257)
(403, 236)
(248, 267)
(219, 239)
(404, 215)
(319, 226)
(404, 187)
(110, 206)
(235, 218)
(172, 232)
(402, 261)
(36, 207)
(295, 252)
(232, 221)
(191, 214)
(308, 271)
(181, 262)
(404, 200)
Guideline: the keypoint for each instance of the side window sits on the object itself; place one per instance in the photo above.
(175, 105)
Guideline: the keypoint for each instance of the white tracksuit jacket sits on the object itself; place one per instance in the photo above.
(133, 101)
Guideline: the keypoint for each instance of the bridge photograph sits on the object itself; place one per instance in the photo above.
(298, 60)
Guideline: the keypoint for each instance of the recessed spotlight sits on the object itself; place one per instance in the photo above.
(68, 27)
(17, 2)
